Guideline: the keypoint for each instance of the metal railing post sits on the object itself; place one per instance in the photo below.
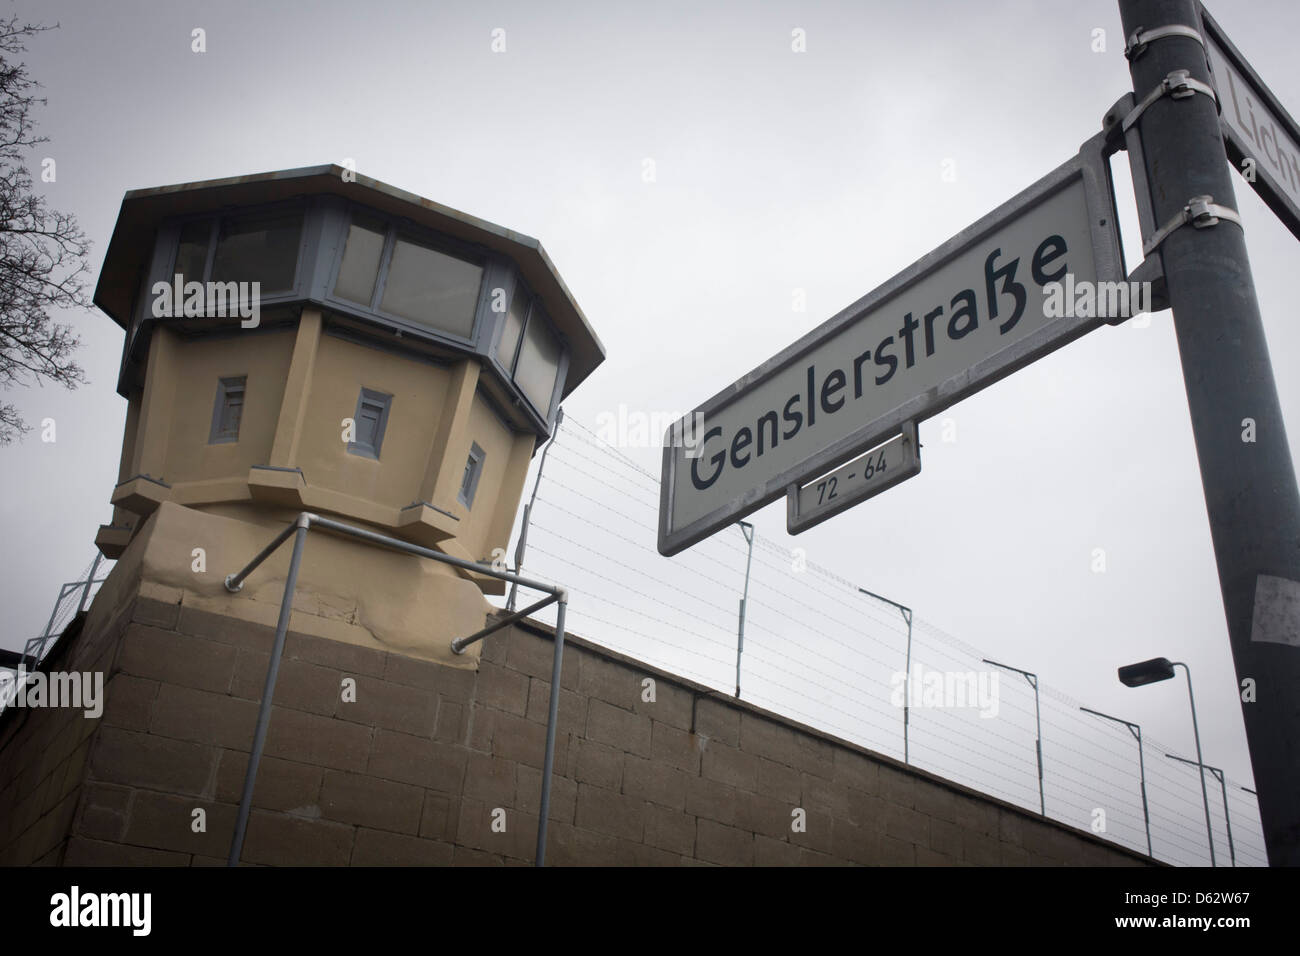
(747, 530)
(552, 718)
(907, 674)
(528, 510)
(1196, 731)
(268, 690)
(302, 524)
(1136, 731)
(1038, 728)
(1223, 785)
(90, 579)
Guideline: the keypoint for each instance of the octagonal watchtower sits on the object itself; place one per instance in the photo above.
(315, 339)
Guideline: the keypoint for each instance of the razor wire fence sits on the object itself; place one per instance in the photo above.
(74, 596)
(595, 525)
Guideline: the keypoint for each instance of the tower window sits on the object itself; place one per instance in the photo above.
(529, 349)
(247, 248)
(370, 421)
(228, 411)
(469, 483)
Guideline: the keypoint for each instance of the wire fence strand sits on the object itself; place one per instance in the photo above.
(821, 652)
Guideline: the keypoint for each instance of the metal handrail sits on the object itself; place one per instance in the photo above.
(299, 528)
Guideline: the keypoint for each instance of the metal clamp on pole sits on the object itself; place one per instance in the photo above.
(1177, 85)
(1201, 211)
(1141, 38)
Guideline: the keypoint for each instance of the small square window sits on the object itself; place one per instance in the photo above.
(369, 423)
(473, 469)
(228, 411)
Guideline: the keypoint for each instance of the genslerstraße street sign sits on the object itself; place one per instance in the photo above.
(969, 313)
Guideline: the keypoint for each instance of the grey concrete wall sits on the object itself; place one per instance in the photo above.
(420, 766)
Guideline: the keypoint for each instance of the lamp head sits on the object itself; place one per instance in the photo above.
(1147, 672)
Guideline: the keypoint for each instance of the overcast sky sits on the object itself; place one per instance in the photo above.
(774, 171)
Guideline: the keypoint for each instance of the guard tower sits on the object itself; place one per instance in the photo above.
(313, 339)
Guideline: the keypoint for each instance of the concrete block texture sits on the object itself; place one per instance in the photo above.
(377, 759)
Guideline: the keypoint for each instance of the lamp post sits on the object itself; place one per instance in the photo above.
(747, 530)
(1151, 672)
(1038, 742)
(907, 675)
(1218, 775)
(1136, 731)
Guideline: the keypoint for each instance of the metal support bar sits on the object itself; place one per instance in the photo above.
(1227, 819)
(747, 530)
(552, 718)
(236, 581)
(907, 674)
(1136, 731)
(1196, 731)
(522, 546)
(405, 546)
(301, 525)
(1223, 786)
(268, 691)
(63, 592)
(461, 643)
(1038, 725)
(90, 579)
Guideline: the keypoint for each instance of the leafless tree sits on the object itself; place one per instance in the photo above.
(43, 253)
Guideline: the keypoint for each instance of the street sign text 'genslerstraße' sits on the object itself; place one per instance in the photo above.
(964, 316)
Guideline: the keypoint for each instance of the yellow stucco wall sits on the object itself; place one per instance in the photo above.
(499, 484)
(347, 590)
(300, 386)
(198, 366)
(343, 368)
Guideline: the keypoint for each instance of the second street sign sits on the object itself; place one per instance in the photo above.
(1263, 141)
(969, 313)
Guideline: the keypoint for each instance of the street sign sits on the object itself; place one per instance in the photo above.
(1262, 139)
(969, 313)
(864, 477)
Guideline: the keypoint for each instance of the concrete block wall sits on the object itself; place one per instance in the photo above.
(432, 765)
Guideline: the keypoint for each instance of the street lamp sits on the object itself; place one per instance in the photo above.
(1136, 731)
(907, 675)
(1158, 669)
(1218, 775)
(1038, 742)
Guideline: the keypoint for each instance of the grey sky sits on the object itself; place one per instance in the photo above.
(774, 171)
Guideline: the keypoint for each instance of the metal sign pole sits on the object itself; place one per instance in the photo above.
(1245, 462)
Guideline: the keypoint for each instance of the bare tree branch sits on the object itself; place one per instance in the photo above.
(43, 252)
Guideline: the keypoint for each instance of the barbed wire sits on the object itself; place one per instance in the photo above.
(644, 604)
